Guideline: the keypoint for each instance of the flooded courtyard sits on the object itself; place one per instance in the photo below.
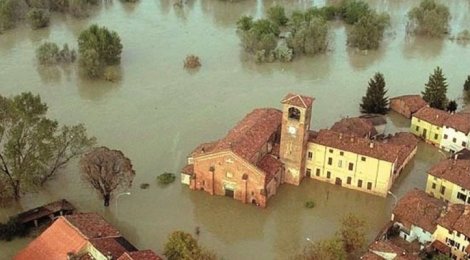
(159, 112)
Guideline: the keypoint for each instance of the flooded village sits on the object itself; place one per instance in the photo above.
(265, 159)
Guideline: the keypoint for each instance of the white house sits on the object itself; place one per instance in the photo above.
(456, 133)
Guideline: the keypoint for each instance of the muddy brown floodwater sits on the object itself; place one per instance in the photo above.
(158, 112)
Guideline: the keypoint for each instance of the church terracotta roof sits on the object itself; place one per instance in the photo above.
(362, 146)
(413, 102)
(251, 133)
(140, 255)
(419, 209)
(92, 225)
(355, 125)
(204, 148)
(455, 171)
(456, 218)
(54, 243)
(460, 122)
(432, 115)
(270, 166)
(297, 100)
(188, 169)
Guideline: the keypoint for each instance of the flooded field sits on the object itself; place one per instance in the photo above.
(158, 113)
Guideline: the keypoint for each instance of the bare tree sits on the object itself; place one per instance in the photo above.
(107, 171)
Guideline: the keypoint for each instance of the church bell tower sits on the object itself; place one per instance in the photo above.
(296, 115)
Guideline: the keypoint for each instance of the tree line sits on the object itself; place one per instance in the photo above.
(435, 93)
(281, 37)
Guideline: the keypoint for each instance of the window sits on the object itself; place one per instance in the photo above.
(328, 175)
(443, 190)
(331, 150)
(417, 128)
(461, 196)
(340, 163)
(363, 158)
(445, 136)
(229, 175)
(436, 136)
(369, 185)
(351, 166)
(454, 140)
(464, 144)
(330, 161)
(348, 181)
(359, 183)
(341, 153)
(468, 200)
(310, 155)
(317, 172)
(308, 172)
(294, 113)
(433, 186)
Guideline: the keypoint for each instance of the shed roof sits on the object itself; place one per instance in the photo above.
(413, 102)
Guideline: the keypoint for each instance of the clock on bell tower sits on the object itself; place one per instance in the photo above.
(296, 115)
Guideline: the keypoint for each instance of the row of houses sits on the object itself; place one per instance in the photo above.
(448, 131)
(270, 147)
(82, 236)
(430, 222)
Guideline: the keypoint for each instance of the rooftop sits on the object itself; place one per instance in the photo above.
(46, 210)
(455, 171)
(92, 225)
(419, 209)
(250, 134)
(460, 122)
(413, 102)
(270, 165)
(111, 246)
(54, 243)
(456, 217)
(297, 100)
(140, 255)
(362, 146)
(355, 125)
(432, 115)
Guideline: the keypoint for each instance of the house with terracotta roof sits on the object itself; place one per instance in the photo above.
(359, 163)
(428, 124)
(83, 236)
(407, 105)
(456, 133)
(452, 235)
(449, 180)
(416, 214)
(270, 147)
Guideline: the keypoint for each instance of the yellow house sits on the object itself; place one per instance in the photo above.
(452, 235)
(449, 180)
(355, 162)
(428, 123)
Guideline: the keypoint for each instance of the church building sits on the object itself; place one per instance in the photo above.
(270, 147)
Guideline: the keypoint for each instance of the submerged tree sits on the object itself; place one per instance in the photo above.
(375, 100)
(38, 18)
(98, 47)
(436, 90)
(452, 106)
(352, 234)
(466, 85)
(277, 15)
(182, 246)
(107, 171)
(331, 249)
(34, 148)
(429, 18)
(353, 10)
(368, 31)
(309, 36)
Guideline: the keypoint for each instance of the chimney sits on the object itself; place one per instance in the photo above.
(203, 150)
(352, 139)
(371, 145)
(340, 136)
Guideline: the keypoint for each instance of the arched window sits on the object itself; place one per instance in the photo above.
(294, 113)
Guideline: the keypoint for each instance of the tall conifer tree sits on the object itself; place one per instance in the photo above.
(436, 90)
(375, 100)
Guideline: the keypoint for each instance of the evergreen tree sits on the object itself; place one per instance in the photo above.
(452, 106)
(466, 85)
(436, 90)
(375, 100)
